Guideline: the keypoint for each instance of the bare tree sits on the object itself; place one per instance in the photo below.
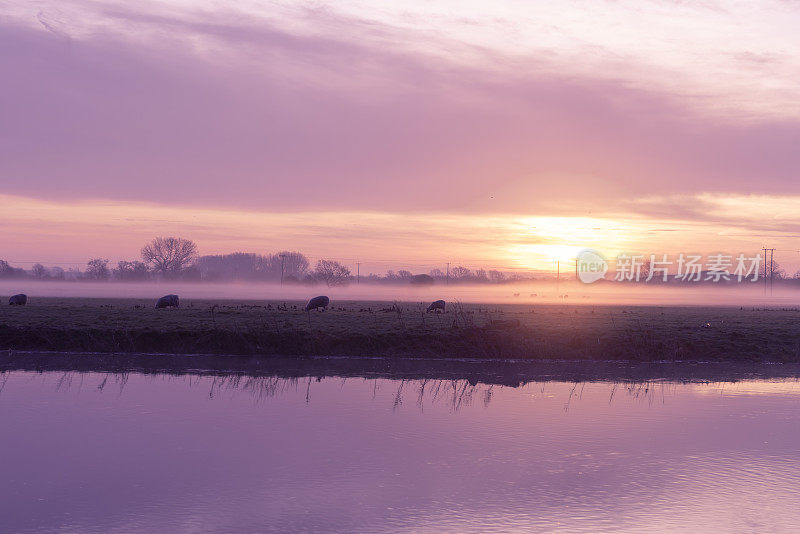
(97, 269)
(7, 271)
(777, 272)
(460, 273)
(497, 276)
(331, 273)
(57, 272)
(130, 271)
(169, 255)
(39, 271)
(295, 265)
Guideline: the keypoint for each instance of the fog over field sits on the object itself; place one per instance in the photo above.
(531, 292)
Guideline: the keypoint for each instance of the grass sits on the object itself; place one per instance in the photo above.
(362, 328)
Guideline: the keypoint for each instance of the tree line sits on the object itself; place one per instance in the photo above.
(176, 258)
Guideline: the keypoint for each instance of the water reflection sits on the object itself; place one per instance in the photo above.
(128, 452)
(453, 393)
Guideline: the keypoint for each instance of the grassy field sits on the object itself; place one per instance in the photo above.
(361, 328)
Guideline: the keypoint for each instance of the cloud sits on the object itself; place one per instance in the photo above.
(324, 110)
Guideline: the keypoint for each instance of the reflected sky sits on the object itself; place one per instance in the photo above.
(133, 453)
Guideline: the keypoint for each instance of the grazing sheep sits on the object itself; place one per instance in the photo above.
(18, 300)
(436, 305)
(167, 301)
(318, 302)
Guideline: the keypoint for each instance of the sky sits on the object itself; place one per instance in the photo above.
(499, 134)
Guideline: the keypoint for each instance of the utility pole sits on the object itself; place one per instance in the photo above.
(771, 270)
(358, 273)
(283, 258)
(447, 280)
(771, 252)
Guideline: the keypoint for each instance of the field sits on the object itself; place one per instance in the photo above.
(363, 328)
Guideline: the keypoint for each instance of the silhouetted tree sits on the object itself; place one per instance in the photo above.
(644, 270)
(169, 255)
(7, 271)
(57, 273)
(130, 271)
(39, 271)
(236, 266)
(777, 272)
(73, 274)
(97, 269)
(295, 265)
(496, 276)
(422, 279)
(460, 273)
(251, 266)
(332, 273)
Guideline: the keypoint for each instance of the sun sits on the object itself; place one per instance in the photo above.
(545, 243)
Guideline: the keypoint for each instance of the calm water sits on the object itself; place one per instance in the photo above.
(135, 453)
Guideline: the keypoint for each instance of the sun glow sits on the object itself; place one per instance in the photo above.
(547, 241)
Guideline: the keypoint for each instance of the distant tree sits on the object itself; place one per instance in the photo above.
(481, 275)
(436, 273)
(404, 275)
(169, 255)
(7, 271)
(236, 266)
(130, 271)
(97, 269)
(496, 276)
(57, 273)
(422, 279)
(460, 273)
(39, 271)
(332, 273)
(391, 275)
(644, 270)
(251, 266)
(73, 274)
(295, 265)
(777, 272)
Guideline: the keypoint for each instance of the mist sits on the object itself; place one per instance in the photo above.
(528, 293)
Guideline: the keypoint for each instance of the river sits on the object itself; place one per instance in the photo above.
(128, 452)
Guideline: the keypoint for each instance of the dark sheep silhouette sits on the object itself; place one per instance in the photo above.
(18, 300)
(436, 305)
(167, 301)
(318, 302)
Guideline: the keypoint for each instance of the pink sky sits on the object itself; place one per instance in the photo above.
(487, 133)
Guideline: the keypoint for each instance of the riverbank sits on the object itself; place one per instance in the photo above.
(402, 329)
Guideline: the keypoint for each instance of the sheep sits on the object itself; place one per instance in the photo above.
(167, 301)
(18, 300)
(436, 305)
(318, 302)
